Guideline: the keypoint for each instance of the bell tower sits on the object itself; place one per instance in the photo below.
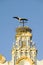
(24, 51)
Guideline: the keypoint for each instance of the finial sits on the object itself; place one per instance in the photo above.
(22, 20)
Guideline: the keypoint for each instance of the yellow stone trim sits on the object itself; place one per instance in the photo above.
(25, 58)
(32, 49)
(0, 56)
(26, 34)
(2, 59)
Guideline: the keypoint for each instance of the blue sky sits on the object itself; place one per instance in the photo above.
(30, 9)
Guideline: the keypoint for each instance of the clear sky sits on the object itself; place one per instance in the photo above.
(30, 9)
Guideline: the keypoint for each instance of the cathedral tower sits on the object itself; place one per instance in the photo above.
(24, 51)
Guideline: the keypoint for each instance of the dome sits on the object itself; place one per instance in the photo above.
(2, 59)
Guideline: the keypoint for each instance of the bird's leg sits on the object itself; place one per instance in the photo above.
(23, 23)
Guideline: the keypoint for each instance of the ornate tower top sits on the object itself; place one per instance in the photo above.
(24, 51)
(23, 29)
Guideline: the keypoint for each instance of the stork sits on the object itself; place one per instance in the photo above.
(22, 20)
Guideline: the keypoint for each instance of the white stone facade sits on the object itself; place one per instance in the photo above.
(24, 51)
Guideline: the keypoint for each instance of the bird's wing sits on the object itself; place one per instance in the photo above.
(24, 19)
(16, 17)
